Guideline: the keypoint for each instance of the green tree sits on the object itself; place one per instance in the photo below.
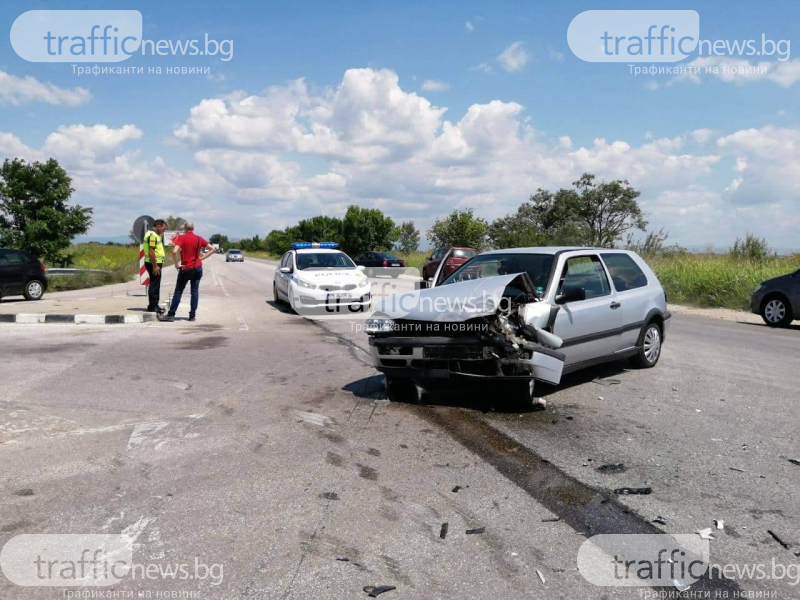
(407, 237)
(366, 229)
(174, 223)
(220, 239)
(459, 228)
(517, 230)
(592, 214)
(277, 242)
(34, 210)
(316, 229)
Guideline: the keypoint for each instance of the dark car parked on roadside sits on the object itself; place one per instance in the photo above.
(381, 263)
(453, 260)
(21, 273)
(778, 300)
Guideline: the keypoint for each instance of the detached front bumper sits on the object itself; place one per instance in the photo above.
(462, 357)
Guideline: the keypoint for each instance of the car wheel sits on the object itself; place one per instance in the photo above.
(776, 311)
(34, 290)
(401, 390)
(290, 294)
(649, 347)
(275, 293)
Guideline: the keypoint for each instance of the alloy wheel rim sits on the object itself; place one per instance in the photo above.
(775, 311)
(35, 289)
(652, 344)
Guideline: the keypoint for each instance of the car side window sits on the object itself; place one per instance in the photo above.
(12, 258)
(285, 259)
(585, 272)
(438, 254)
(625, 273)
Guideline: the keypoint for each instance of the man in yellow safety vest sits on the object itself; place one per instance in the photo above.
(154, 262)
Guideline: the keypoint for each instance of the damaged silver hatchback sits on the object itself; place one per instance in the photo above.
(517, 315)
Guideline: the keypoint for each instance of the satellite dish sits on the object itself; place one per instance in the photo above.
(140, 227)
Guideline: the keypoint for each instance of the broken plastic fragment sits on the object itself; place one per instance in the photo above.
(539, 404)
(680, 586)
(660, 520)
(541, 577)
(705, 533)
(443, 530)
(375, 591)
(455, 489)
(626, 491)
(795, 461)
(612, 468)
(777, 539)
(719, 523)
(477, 530)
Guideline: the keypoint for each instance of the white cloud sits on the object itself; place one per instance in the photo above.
(432, 85)
(469, 27)
(652, 85)
(78, 144)
(265, 160)
(740, 71)
(26, 90)
(483, 67)
(514, 58)
(555, 55)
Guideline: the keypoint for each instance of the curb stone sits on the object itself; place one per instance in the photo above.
(31, 319)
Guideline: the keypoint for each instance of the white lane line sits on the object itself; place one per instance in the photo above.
(242, 323)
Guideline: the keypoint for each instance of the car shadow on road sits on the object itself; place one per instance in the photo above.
(790, 327)
(281, 306)
(490, 396)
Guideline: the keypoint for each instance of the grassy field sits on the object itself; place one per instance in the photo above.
(120, 262)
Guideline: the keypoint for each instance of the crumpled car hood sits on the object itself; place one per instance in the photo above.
(453, 303)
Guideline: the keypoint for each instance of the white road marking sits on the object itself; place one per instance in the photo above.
(242, 323)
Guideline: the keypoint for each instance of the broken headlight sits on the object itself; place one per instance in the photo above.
(379, 325)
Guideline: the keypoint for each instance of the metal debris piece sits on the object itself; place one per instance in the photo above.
(443, 530)
(476, 530)
(541, 577)
(606, 382)
(737, 469)
(660, 520)
(612, 468)
(705, 533)
(719, 523)
(795, 461)
(455, 489)
(539, 404)
(777, 539)
(554, 520)
(373, 591)
(342, 559)
(627, 491)
(600, 398)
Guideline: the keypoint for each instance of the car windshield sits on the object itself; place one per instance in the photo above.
(458, 253)
(311, 261)
(537, 266)
(234, 251)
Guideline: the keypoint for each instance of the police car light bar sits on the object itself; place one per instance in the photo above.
(304, 245)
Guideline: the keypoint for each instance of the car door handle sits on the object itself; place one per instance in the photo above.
(615, 305)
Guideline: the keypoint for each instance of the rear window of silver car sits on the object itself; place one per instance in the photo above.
(625, 273)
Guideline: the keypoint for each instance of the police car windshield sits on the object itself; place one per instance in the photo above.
(317, 261)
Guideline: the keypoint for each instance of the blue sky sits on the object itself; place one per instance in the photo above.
(326, 104)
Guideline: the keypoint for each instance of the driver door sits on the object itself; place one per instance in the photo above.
(590, 328)
(284, 278)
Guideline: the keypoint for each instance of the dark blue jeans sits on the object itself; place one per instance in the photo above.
(185, 276)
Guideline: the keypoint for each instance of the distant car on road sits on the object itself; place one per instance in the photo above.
(778, 300)
(21, 273)
(381, 263)
(234, 255)
(452, 257)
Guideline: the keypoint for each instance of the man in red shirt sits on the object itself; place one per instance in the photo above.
(193, 250)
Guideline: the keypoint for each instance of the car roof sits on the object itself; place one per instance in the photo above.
(554, 250)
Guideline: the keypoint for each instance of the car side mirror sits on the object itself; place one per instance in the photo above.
(360, 267)
(571, 294)
(422, 285)
(286, 269)
(429, 258)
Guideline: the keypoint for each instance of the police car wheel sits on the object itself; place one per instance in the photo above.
(275, 294)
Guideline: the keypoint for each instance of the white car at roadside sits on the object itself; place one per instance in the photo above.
(317, 275)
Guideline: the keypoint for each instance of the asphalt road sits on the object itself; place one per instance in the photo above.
(260, 443)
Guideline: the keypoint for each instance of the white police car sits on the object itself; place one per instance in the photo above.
(317, 275)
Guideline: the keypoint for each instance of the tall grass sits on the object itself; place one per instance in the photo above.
(121, 264)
